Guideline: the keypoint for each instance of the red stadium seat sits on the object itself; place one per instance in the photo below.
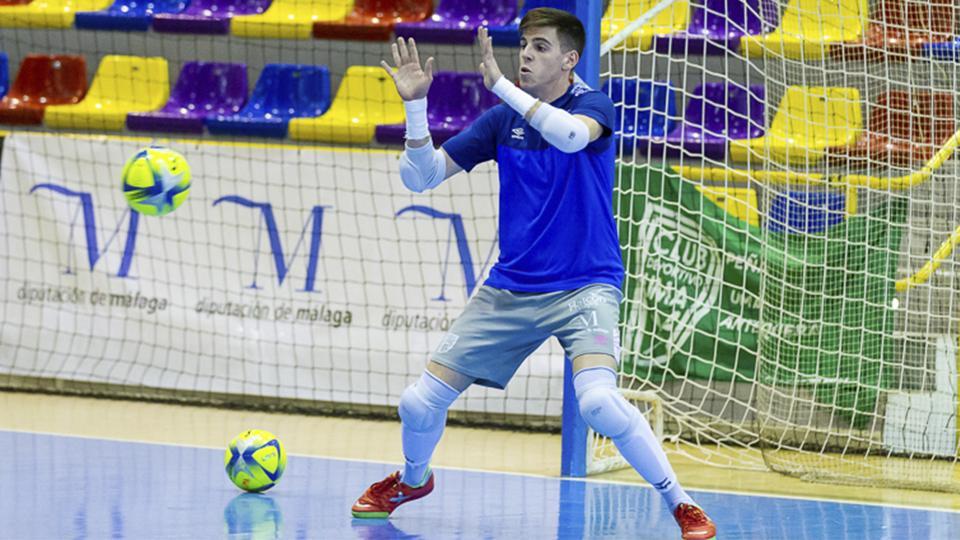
(373, 20)
(41, 81)
(901, 28)
(902, 129)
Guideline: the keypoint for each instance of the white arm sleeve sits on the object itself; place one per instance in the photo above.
(557, 126)
(422, 168)
(560, 128)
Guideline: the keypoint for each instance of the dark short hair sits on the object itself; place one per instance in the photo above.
(569, 28)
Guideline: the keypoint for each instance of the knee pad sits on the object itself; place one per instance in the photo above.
(605, 410)
(601, 405)
(424, 403)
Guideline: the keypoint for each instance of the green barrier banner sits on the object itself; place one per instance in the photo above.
(694, 292)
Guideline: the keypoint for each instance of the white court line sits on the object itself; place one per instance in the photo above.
(509, 473)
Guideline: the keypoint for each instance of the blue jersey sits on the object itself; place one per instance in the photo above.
(557, 230)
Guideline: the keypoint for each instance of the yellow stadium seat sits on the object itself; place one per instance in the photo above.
(122, 84)
(290, 19)
(620, 13)
(367, 97)
(808, 122)
(808, 28)
(47, 13)
(725, 175)
(740, 203)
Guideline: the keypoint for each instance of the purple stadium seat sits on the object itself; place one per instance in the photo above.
(456, 21)
(718, 25)
(127, 15)
(207, 16)
(203, 89)
(716, 114)
(455, 100)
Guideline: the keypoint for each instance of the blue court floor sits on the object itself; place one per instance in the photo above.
(58, 487)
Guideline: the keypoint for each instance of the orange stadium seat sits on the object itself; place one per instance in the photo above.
(902, 129)
(902, 28)
(123, 84)
(43, 80)
(373, 20)
(367, 97)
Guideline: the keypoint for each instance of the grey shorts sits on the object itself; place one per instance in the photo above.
(499, 329)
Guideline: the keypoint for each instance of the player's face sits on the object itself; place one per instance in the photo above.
(542, 60)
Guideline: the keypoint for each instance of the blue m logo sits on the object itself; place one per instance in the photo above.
(459, 236)
(276, 247)
(88, 215)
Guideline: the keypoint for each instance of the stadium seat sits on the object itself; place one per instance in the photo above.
(4, 74)
(207, 16)
(127, 15)
(373, 20)
(902, 129)
(508, 35)
(808, 28)
(455, 100)
(809, 121)
(717, 26)
(739, 202)
(620, 13)
(282, 92)
(943, 51)
(366, 97)
(456, 21)
(901, 28)
(716, 114)
(46, 13)
(289, 19)
(645, 110)
(41, 81)
(203, 89)
(808, 212)
(122, 84)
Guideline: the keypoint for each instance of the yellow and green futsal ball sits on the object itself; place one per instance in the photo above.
(255, 460)
(156, 180)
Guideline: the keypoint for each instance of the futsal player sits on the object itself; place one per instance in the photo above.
(559, 272)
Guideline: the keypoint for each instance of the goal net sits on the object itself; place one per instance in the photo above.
(789, 205)
(299, 273)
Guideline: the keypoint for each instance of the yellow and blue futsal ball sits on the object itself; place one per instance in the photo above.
(255, 460)
(156, 180)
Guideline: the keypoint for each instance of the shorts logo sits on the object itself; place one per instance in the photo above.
(448, 342)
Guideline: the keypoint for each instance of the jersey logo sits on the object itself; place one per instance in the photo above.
(579, 89)
(517, 133)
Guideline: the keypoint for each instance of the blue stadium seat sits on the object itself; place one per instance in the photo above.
(644, 109)
(4, 74)
(127, 15)
(508, 35)
(806, 212)
(283, 92)
(943, 51)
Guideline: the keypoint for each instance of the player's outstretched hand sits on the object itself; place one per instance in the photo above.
(488, 64)
(412, 81)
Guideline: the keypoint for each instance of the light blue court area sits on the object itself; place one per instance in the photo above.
(57, 487)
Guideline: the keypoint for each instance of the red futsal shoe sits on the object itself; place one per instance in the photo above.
(382, 498)
(694, 524)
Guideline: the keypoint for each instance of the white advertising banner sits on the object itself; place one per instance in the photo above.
(289, 272)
